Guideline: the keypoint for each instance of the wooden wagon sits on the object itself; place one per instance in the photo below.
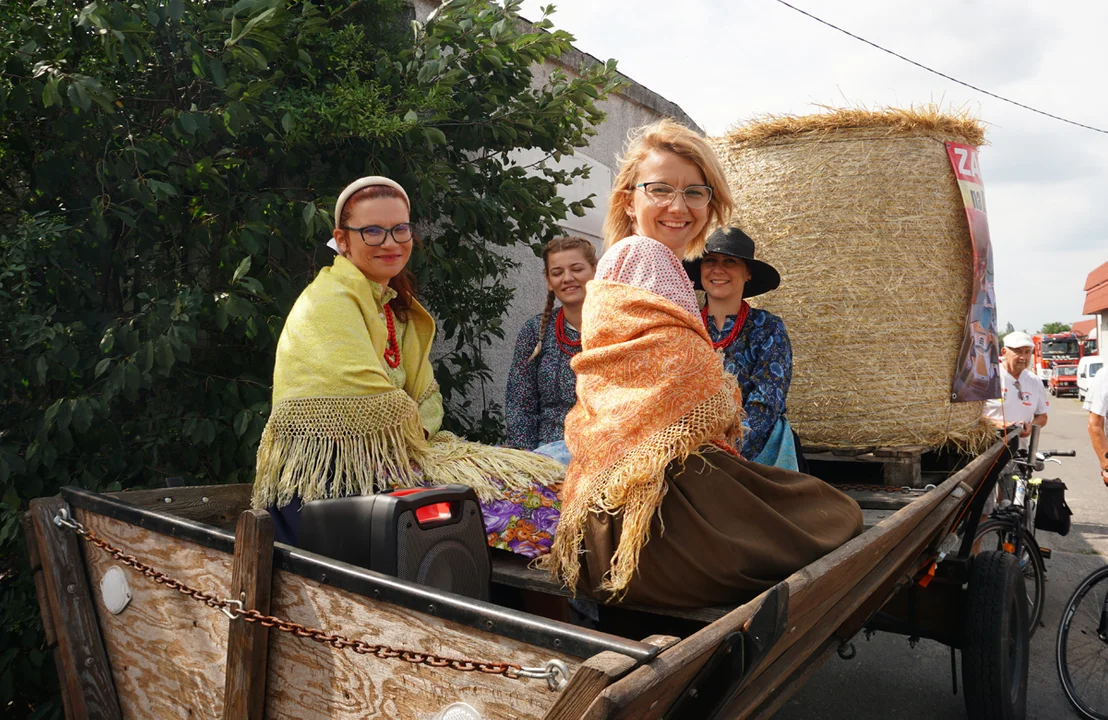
(146, 597)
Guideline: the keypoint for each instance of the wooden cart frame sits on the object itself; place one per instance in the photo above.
(169, 655)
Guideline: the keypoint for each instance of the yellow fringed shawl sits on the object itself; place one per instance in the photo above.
(650, 390)
(338, 426)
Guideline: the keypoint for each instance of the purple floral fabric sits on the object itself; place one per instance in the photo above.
(523, 521)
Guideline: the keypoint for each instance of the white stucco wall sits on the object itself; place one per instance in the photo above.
(632, 107)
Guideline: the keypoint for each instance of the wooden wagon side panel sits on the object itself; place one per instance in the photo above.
(167, 651)
(309, 680)
(813, 592)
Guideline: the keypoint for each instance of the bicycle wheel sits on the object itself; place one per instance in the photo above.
(1082, 647)
(1000, 535)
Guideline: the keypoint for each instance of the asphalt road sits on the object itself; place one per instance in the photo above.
(889, 679)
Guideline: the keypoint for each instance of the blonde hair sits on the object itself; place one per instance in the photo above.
(559, 244)
(666, 136)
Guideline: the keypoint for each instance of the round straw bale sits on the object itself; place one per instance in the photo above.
(861, 214)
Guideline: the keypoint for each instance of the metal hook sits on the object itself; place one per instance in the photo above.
(228, 613)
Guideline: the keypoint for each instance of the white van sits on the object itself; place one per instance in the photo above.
(1087, 368)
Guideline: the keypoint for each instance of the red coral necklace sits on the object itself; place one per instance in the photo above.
(735, 329)
(569, 347)
(392, 350)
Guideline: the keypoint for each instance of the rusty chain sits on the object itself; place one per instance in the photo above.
(554, 672)
(882, 488)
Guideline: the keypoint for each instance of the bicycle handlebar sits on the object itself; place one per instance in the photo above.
(1059, 453)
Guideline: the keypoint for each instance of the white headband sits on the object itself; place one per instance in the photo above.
(364, 183)
(355, 187)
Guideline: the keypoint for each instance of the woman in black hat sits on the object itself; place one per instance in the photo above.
(755, 345)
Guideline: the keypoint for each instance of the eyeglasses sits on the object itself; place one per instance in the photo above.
(662, 194)
(375, 235)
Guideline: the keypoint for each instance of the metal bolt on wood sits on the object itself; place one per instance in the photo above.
(555, 672)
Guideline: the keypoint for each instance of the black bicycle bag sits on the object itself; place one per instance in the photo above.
(1053, 514)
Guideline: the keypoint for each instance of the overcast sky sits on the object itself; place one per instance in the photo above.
(724, 61)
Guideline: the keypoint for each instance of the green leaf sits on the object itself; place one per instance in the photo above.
(411, 116)
(242, 269)
(176, 10)
(434, 136)
(242, 422)
(287, 122)
(132, 380)
(308, 214)
(165, 356)
(82, 415)
(78, 95)
(145, 357)
(50, 94)
(218, 72)
(40, 369)
(102, 367)
(188, 123)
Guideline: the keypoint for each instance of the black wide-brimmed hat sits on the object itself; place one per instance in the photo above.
(734, 242)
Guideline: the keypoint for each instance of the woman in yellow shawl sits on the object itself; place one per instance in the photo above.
(356, 408)
(658, 509)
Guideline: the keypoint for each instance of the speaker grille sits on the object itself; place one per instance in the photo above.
(453, 557)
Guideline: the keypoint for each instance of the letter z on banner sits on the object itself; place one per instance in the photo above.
(977, 376)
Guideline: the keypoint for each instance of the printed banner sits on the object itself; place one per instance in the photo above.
(977, 376)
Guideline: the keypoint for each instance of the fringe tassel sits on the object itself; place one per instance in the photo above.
(486, 469)
(636, 486)
(336, 458)
(335, 447)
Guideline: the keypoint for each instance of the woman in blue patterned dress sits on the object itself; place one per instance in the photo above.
(541, 384)
(755, 345)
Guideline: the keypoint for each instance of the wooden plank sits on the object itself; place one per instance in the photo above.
(595, 674)
(880, 499)
(886, 574)
(310, 680)
(248, 643)
(218, 505)
(796, 680)
(515, 572)
(168, 651)
(873, 518)
(304, 679)
(812, 590)
(35, 562)
(903, 472)
(86, 675)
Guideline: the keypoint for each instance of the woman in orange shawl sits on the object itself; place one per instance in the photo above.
(657, 508)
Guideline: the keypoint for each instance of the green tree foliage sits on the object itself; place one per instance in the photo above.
(166, 169)
(1009, 328)
(1055, 327)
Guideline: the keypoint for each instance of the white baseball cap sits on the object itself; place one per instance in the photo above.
(1016, 340)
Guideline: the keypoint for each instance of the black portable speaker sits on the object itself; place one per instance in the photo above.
(433, 536)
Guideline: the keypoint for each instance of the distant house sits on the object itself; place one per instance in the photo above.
(629, 108)
(1096, 300)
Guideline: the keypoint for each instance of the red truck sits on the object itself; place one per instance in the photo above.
(1054, 349)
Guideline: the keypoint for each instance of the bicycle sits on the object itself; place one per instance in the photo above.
(1081, 649)
(1011, 527)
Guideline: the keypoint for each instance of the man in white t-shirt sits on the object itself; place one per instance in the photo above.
(1024, 401)
(1096, 402)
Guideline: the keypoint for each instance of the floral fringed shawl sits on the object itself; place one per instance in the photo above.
(650, 390)
(339, 427)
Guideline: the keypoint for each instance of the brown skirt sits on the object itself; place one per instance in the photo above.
(729, 529)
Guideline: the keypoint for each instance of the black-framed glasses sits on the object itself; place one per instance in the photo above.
(375, 235)
(662, 194)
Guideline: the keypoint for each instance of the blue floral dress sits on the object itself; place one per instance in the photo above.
(541, 391)
(762, 360)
